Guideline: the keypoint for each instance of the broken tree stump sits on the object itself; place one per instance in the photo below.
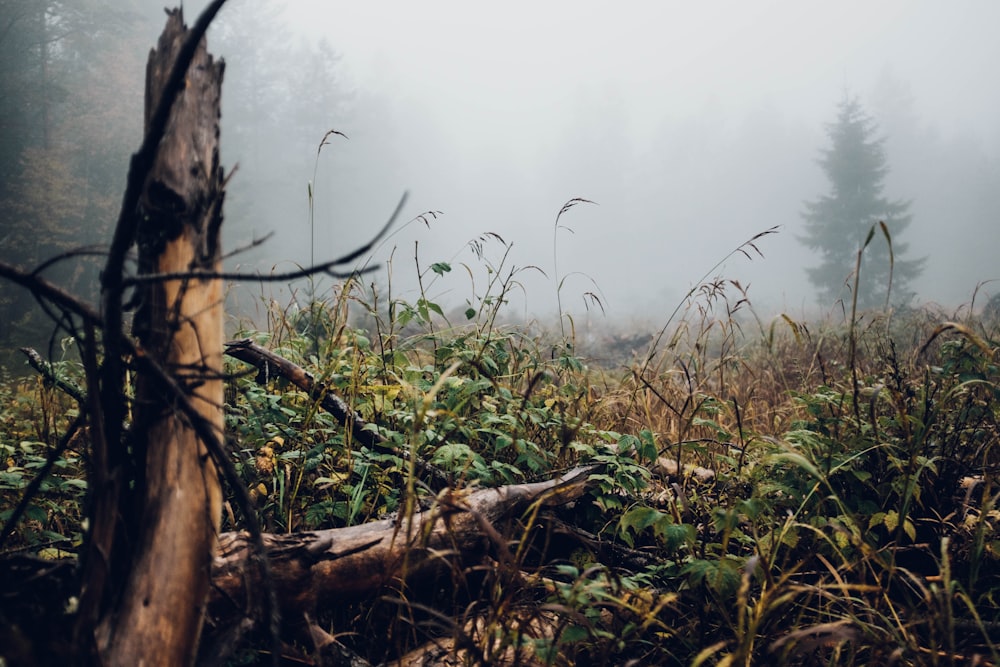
(179, 327)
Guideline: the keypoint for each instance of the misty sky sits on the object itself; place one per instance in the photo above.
(693, 126)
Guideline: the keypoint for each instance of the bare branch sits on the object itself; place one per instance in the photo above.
(325, 267)
(45, 369)
(268, 361)
(42, 288)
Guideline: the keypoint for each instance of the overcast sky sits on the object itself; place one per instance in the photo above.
(665, 59)
(692, 125)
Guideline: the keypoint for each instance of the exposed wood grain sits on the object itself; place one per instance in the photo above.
(179, 326)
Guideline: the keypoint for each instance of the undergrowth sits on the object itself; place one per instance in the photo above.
(780, 492)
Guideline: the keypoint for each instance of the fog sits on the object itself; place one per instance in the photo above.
(691, 126)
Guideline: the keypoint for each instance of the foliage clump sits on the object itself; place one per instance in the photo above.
(762, 493)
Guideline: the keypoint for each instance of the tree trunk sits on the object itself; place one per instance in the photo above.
(179, 326)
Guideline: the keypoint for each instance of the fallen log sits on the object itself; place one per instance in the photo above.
(311, 571)
(271, 364)
(352, 563)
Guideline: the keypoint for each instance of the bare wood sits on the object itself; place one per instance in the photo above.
(357, 561)
(179, 326)
(319, 568)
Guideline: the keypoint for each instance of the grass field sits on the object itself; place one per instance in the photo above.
(767, 492)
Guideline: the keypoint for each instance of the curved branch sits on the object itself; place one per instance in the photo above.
(325, 267)
(42, 288)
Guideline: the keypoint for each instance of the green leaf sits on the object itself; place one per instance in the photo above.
(440, 268)
(35, 513)
(573, 633)
(635, 521)
(675, 535)
(722, 576)
(799, 461)
(568, 571)
(454, 454)
(436, 308)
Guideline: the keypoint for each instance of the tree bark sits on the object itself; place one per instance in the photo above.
(179, 327)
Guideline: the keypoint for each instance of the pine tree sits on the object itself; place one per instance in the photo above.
(838, 224)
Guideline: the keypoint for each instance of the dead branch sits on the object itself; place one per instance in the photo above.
(327, 268)
(45, 369)
(309, 571)
(43, 289)
(270, 364)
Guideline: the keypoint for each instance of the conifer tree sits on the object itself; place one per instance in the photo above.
(837, 224)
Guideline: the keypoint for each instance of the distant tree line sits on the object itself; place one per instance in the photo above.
(71, 74)
(69, 112)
